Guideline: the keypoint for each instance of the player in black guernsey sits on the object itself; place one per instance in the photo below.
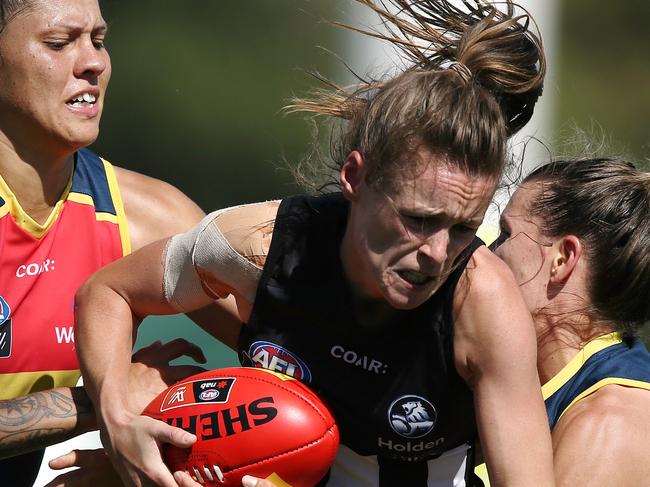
(576, 235)
(377, 295)
(401, 401)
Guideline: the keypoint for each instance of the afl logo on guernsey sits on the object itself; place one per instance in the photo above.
(5, 329)
(412, 416)
(267, 355)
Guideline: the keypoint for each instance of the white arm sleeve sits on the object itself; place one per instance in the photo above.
(204, 247)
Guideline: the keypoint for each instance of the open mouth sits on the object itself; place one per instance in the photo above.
(415, 278)
(83, 101)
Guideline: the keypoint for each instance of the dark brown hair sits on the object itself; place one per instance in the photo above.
(474, 77)
(605, 202)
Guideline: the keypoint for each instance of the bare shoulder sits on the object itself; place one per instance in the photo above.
(154, 209)
(486, 285)
(485, 276)
(248, 229)
(603, 439)
(492, 325)
(608, 412)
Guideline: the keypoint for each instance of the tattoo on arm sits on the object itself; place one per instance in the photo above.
(43, 418)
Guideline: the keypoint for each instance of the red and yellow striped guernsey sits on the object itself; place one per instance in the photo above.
(41, 267)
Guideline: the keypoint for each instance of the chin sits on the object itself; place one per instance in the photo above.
(83, 138)
(404, 301)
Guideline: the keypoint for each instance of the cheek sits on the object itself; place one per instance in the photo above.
(507, 253)
(386, 240)
(458, 245)
(106, 74)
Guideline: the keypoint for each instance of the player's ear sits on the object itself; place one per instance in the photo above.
(352, 174)
(565, 258)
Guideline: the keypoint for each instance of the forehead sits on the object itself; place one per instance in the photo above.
(439, 187)
(55, 13)
(518, 204)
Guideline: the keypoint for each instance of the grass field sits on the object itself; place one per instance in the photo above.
(165, 328)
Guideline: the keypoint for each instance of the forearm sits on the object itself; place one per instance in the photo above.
(41, 419)
(103, 334)
(221, 320)
(107, 306)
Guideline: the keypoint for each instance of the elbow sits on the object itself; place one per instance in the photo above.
(86, 294)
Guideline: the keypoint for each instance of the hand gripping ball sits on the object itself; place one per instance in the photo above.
(248, 421)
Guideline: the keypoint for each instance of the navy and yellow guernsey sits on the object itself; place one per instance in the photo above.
(608, 359)
(41, 267)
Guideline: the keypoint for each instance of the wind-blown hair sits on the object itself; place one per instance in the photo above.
(474, 75)
(605, 202)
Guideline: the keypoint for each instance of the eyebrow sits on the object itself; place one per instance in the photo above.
(101, 28)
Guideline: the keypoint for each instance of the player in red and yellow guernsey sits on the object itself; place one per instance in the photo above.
(42, 266)
(64, 213)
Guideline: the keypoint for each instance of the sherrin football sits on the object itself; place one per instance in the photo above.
(248, 421)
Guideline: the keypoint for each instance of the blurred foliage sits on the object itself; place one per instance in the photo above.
(197, 90)
(603, 68)
(195, 99)
(198, 86)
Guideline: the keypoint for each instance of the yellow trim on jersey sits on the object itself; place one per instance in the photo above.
(107, 217)
(567, 372)
(605, 382)
(277, 480)
(22, 219)
(84, 199)
(570, 369)
(481, 472)
(487, 232)
(119, 206)
(23, 383)
(279, 375)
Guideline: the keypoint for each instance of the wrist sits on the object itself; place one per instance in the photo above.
(86, 419)
(115, 416)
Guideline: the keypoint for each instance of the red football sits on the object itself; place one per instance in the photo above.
(248, 421)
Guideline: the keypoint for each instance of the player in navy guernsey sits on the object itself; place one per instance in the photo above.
(377, 295)
(576, 235)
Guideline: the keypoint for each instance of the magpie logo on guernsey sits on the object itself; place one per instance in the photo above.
(267, 355)
(411, 417)
(5, 329)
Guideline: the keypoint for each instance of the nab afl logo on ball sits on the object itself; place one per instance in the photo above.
(209, 395)
(412, 416)
(267, 355)
(203, 391)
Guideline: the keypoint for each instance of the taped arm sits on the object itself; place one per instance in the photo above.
(222, 255)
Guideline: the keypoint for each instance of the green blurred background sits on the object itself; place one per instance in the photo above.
(198, 86)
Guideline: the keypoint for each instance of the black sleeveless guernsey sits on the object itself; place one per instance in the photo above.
(394, 390)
